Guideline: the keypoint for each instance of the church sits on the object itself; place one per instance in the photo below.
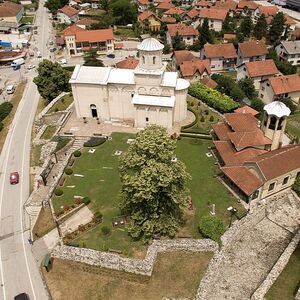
(145, 95)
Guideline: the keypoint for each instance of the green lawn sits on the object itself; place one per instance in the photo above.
(125, 33)
(101, 183)
(206, 117)
(288, 282)
(233, 75)
(49, 132)
(26, 20)
(293, 125)
(35, 155)
(62, 104)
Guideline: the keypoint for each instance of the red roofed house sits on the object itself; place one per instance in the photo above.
(149, 20)
(215, 17)
(254, 163)
(228, 36)
(246, 8)
(142, 5)
(280, 87)
(181, 56)
(195, 70)
(221, 56)
(188, 34)
(202, 4)
(67, 15)
(128, 63)
(11, 12)
(164, 6)
(230, 5)
(86, 23)
(79, 40)
(173, 11)
(258, 71)
(251, 51)
(270, 10)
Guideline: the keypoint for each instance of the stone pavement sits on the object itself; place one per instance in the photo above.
(249, 254)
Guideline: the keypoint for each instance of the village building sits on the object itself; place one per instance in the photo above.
(174, 11)
(148, 20)
(164, 6)
(228, 36)
(247, 8)
(215, 16)
(269, 10)
(142, 5)
(67, 15)
(180, 56)
(195, 70)
(208, 82)
(86, 23)
(221, 56)
(258, 71)
(11, 12)
(278, 88)
(251, 51)
(168, 20)
(289, 51)
(254, 163)
(188, 34)
(229, 5)
(146, 95)
(201, 4)
(79, 40)
(128, 63)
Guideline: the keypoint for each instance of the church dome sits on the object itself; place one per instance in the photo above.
(150, 44)
(277, 108)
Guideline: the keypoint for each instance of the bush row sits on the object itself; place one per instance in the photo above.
(194, 122)
(94, 141)
(213, 98)
(203, 137)
(5, 109)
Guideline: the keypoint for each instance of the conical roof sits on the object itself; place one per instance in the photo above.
(150, 44)
(277, 109)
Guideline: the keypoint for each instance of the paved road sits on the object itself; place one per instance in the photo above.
(18, 269)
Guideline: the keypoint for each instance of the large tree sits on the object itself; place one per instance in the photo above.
(153, 189)
(52, 79)
(204, 34)
(229, 24)
(276, 28)
(123, 11)
(247, 86)
(246, 26)
(260, 29)
(177, 43)
(54, 5)
(91, 59)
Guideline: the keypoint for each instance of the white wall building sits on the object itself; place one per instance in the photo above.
(289, 51)
(145, 95)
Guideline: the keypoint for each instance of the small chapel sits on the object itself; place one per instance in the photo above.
(137, 97)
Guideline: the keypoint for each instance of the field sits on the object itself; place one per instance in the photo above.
(293, 125)
(61, 104)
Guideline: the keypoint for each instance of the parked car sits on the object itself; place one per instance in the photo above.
(29, 67)
(62, 61)
(14, 178)
(39, 54)
(10, 89)
(111, 55)
(22, 296)
(52, 49)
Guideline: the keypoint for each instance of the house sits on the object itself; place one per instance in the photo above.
(277, 88)
(128, 63)
(269, 10)
(221, 56)
(95, 4)
(11, 12)
(188, 34)
(164, 6)
(295, 35)
(215, 17)
(142, 5)
(258, 71)
(253, 161)
(201, 4)
(67, 15)
(181, 56)
(136, 97)
(173, 12)
(228, 36)
(229, 5)
(195, 70)
(187, 3)
(168, 20)
(251, 51)
(247, 8)
(86, 23)
(75, 3)
(148, 19)
(289, 51)
(79, 40)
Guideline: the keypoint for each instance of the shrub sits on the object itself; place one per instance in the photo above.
(59, 213)
(105, 230)
(211, 227)
(56, 109)
(68, 171)
(202, 119)
(5, 109)
(61, 142)
(202, 136)
(211, 119)
(98, 215)
(213, 98)
(94, 141)
(58, 192)
(193, 123)
(73, 244)
(78, 201)
(77, 153)
(86, 200)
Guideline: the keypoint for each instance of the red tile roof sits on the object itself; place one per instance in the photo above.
(221, 130)
(72, 30)
(261, 68)
(69, 11)
(182, 30)
(249, 139)
(9, 9)
(92, 36)
(247, 5)
(169, 20)
(270, 10)
(229, 4)
(296, 33)
(246, 110)
(174, 11)
(285, 84)
(213, 13)
(203, 3)
(189, 68)
(229, 36)
(143, 2)
(209, 82)
(162, 1)
(145, 15)
(220, 50)
(129, 63)
(278, 162)
(253, 48)
(243, 178)
(194, 12)
(165, 6)
(241, 122)
(183, 55)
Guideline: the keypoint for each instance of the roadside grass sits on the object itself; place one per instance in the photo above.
(175, 275)
(49, 132)
(62, 104)
(15, 100)
(44, 223)
(26, 20)
(102, 184)
(293, 125)
(288, 282)
(125, 33)
(35, 155)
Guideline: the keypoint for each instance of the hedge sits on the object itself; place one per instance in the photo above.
(194, 122)
(68, 171)
(213, 98)
(61, 142)
(86, 200)
(58, 192)
(5, 109)
(77, 153)
(94, 141)
(197, 136)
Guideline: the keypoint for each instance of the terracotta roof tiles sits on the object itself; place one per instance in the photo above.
(165, 6)
(182, 30)
(246, 110)
(9, 9)
(261, 68)
(174, 11)
(241, 122)
(129, 63)
(183, 55)
(72, 30)
(253, 48)
(189, 68)
(69, 11)
(145, 14)
(251, 5)
(209, 82)
(270, 10)
(285, 84)
(92, 36)
(169, 20)
(220, 50)
(213, 13)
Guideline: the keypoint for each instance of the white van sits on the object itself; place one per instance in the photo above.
(39, 54)
(18, 62)
(10, 89)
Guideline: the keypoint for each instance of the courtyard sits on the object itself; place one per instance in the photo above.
(101, 184)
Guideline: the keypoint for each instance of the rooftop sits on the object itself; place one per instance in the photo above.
(150, 44)
(183, 55)
(213, 13)
(69, 11)
(174, 11)
(189, 68)
(9, 9)
(72, 30)
(285, 84)
(277, 109)
(128, 63)
(269, 10)
(153, 100)
(246, 110)
(247, 5)
(261, 68)
(291, 47)
(99, 35)
(182, 30)
(220, 50)
(253, 48)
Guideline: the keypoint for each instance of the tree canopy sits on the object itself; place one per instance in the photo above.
(276, 28)
(204, 34)
(54, 5)
(91, 59)
(260, 29)
(285, 67)
(211, 227)
(246, 26)
(153, 188)
(247, 86)
(52, 79)
(123, 11)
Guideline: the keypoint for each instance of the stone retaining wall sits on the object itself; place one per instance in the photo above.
(277, 269)
(132, 265)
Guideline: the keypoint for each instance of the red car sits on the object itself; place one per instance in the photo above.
(14, 178)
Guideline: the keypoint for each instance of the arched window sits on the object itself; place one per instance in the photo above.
(154, 59)
(143, 59)
(94, 111)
